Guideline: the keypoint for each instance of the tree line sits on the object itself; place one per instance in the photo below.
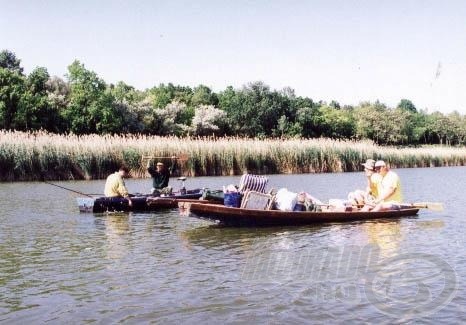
(83, 103)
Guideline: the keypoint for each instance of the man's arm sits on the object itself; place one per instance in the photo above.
(124, 191)
(149, 167)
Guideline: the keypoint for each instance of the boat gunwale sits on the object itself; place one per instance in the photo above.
(242, 216)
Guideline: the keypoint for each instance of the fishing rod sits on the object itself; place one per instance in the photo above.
(69, 189)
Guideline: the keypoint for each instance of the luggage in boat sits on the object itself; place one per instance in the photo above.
(285, 200)
(216, 196)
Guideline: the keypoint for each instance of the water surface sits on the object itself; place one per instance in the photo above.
(57, 265)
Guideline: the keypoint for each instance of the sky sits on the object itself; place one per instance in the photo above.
(349, 51)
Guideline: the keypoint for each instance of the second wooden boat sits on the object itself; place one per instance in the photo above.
(239, 217)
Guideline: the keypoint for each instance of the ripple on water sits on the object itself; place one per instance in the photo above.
(58, 265)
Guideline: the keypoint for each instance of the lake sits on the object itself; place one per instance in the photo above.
(58, 265)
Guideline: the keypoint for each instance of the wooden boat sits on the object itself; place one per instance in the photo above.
(231, 216)
(141, 202)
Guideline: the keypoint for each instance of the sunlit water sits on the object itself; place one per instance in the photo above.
(58, 266)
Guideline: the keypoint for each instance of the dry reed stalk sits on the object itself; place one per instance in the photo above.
(33, 156)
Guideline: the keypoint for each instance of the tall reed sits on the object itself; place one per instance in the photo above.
(41, 155)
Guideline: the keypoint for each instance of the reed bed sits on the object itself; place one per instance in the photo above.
(42, 155)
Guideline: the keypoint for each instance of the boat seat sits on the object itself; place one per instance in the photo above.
(252, 182)
(257, 200)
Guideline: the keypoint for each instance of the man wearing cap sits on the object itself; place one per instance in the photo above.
(160, 175)
(360, 197)
(373, 178)
(390, 194)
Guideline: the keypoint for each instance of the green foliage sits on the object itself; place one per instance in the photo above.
(12, 87)
(202, 95)
(86, 104)
(124, 93)
(91, 108)
(407, 105)
(307, 119)
(165, 94)
(255, 110)
(35, 111)
(336, 123)
(9, 61)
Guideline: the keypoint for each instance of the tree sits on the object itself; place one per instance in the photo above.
(370, 121)
(202, 95)
(336, 123)
(91, 108)
(58, 93)
(255, 110)
(384, 125)
(334, 104)
(165, 94)
(164, 121)
(230, 101)
(124, 93)
(9, 61)
(406, 105)
(12, 85)
(208, 120)
(34, 111)
(286, 128)
(306, 119)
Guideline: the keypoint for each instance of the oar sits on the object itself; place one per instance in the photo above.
(434, 206)
(68, 189)
(181, 157)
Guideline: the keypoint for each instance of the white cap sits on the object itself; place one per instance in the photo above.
(379, 163)
(369, 164)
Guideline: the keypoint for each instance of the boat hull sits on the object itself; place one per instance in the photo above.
(240, 217)
(140, 203)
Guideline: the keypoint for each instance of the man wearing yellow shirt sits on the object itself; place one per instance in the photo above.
(389, 191)
(115, 185)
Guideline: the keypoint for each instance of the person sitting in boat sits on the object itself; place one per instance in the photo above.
(367, 196)
(389, 191)
(115, 185)
(161, 175)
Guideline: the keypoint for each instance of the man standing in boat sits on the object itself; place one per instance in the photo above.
(161, 175)
(115, 185)
(389, 192)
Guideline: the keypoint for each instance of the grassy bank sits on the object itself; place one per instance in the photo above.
(37, 156)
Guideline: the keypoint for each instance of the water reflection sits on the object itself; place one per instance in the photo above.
(387, 235)
(116, 228)
(217, 236)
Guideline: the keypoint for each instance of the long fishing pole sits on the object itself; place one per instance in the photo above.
(68, 189)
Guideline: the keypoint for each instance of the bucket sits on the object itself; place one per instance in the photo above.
(232, 199)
